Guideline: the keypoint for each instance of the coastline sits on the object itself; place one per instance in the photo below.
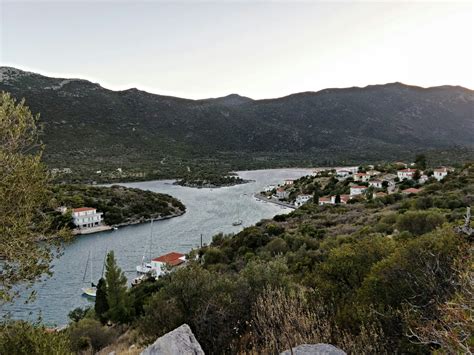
(272, 200)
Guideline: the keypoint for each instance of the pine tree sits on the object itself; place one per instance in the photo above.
(118, 298)
(101, 304)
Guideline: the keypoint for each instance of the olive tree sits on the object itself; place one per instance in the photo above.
(23, 200)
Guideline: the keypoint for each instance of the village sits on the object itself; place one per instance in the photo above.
(351, 184)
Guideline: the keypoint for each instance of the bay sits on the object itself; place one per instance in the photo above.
(208, 212)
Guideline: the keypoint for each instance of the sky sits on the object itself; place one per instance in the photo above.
(264, 49)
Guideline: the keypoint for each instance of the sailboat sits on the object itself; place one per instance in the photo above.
(238, 222)
(145, 267)
(92, 290)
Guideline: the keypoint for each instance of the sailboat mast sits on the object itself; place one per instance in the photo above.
(151, 238)
(91, 271)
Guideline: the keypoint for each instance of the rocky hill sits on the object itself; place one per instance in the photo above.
(89, 127)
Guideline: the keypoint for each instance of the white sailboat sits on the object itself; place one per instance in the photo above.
(238, 222)
(145, 267)
(92, 290)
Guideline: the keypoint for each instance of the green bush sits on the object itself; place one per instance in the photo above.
(19, 337)
(90, 334)
(420, 222)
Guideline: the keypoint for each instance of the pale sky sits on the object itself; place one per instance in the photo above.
(262, 49)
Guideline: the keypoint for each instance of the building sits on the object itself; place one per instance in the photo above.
(378, 194)
(440, 173)
(345, 199)
(302, 199)
(289, 182)
(86, 217)
(378, 184)
(373, 172)
(281, 193)
(362, 177)
(358, 190)
(165, 262)
(326, 200)
(423, 179)
(406, 174)
(411, 190)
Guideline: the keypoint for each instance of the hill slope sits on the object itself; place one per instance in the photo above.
(90, 127)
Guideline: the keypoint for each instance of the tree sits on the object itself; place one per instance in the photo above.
(101, 305)
(420, 161)
(23, 199)
(118, 298)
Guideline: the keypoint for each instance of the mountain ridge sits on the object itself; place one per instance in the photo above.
(134, 128)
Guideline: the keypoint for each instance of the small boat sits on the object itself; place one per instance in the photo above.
(145, 267)
(237, 223)
(89, 291)
(138, 280)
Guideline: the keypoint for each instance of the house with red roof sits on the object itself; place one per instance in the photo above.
(411, 190)
(86, 217)
(166, 262)
(362, 177)
(358, 190)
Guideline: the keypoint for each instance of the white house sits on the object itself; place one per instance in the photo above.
(378, 184)
(302, 199)
(326, 200)
(423, 179)
(362, 177)
(406, 174)
(162, 263)
(289, 182)
(86, 217)
(373, 172)
(358, 190)
(440, 174)
(281, 193)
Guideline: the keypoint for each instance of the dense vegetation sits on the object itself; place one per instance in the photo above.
(94, 131)
(120, 205)
(210, 180)
(382, 276)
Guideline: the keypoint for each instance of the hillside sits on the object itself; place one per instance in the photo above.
(89, 128)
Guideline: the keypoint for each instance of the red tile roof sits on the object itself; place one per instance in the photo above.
(407, 170)
(83, 209)
(411, 190)
(359, 187)
(172, 258)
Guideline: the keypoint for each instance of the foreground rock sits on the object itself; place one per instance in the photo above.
(314, 349)
(179, 341)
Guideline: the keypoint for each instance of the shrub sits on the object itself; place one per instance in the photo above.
(20, 338)
(420, 222)
(90, 334)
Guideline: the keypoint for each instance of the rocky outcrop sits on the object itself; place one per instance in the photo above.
(179, 341)
(314, 349)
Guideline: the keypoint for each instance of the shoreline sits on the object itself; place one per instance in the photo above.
(210, 186)
(271, 200)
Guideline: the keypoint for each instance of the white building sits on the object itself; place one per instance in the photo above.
(358, 190)
(289, 182)
(378, 184)
(406, 174)
(86, 217)
(440, 174)
(302, 199)
(162, 263)
(281, 193)
(326, 200)
(362, 177)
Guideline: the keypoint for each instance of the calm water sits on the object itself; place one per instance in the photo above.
(208, 212)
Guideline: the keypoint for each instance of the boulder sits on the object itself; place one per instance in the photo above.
(314, 349)
(179, 341)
